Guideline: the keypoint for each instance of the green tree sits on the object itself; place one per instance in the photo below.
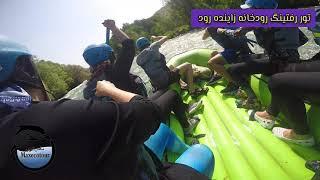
(58, 78)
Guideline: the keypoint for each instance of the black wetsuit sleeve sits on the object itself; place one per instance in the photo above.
(140, 118)
(132, 122)
(124, 59)
(99, 122)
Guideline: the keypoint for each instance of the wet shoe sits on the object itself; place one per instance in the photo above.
(241, 94)
(194, 139)
(199, 91)
(308, 141)
(194, 107)
(314, 166)
(265, 123)
(193, 123)
(248, 104)
(231, 89)
(213, 80)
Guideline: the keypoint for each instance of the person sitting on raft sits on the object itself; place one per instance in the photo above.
(101, 59)
(164, 139)
(105, 134)
(236, 49)
(154, 63)
(281, 47)
(105, 66)
(189, 72)
(289, 90)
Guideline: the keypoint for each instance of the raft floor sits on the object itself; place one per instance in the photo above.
(242, 148)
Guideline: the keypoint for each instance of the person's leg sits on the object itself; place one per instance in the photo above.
(274, 108)
(217, 64)
(308, 66)
(304, 66)
(157, 94)
(201, 72)
(165, 139)
(169, 101)
(214, 76)
(213, 55)
(291, 89)
(200, 158)
(272, 111)
(266, 118)
(174, 76)
(213, 64)
(240, 71)
(186, 72)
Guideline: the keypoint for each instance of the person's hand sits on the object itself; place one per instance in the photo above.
(221, 31)
(104, 88)
(109, 23)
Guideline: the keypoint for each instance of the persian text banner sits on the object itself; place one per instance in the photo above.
(253, 18)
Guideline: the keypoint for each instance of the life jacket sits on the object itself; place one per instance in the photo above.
(280, 43)
(154, 65)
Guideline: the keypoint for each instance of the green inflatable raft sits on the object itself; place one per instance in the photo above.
(242, 148)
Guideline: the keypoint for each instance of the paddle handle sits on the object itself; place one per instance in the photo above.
(108, 36)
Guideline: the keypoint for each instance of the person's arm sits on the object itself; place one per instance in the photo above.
(121, 67)
(125, 57)
(160, 39)
(221, 30)
(106, 126)
(117, 33)
(205, 34)
(106, 88)
(140, 116)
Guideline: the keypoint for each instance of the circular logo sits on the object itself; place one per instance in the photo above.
(36, 158)
(34, 149)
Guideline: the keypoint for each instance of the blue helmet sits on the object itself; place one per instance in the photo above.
(142, 43)
(9, 53)
(96, 54)
(260, 4)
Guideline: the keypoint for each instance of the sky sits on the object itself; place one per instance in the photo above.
(59, 30)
